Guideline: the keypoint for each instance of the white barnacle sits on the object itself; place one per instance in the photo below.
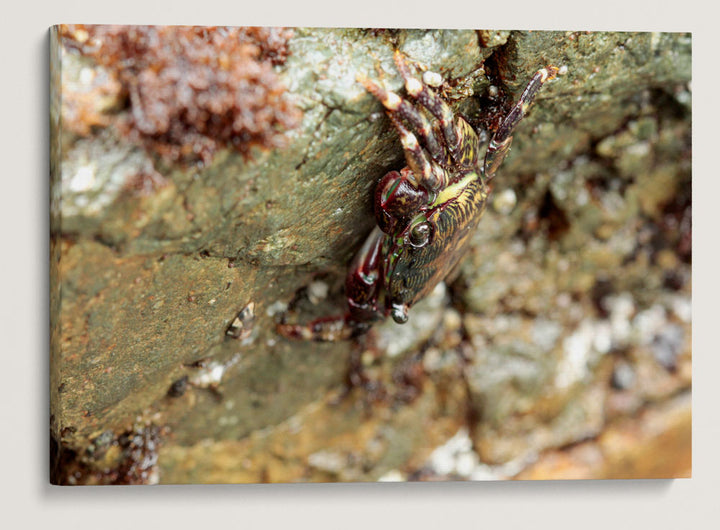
(432, 79)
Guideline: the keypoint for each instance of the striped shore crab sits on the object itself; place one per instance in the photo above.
(426, 212)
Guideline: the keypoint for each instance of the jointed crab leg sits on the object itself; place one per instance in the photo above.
(431, 101)
(427, 172)
(405, 110)
(460, 139)
(361, 288)
(329, 329)
(501, 140)
(457, 139)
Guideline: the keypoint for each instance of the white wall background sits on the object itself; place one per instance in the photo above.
(28, 500)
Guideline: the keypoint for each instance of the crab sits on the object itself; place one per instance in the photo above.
(426, 212)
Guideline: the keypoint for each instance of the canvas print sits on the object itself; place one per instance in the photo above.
(343, 255)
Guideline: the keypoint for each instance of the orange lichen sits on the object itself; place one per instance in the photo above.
(193, 90)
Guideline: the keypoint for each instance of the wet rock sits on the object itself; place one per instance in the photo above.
(153, 263)
(656, 445)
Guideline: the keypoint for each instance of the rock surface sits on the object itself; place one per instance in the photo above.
(560, 349)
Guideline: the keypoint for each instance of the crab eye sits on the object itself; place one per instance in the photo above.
(420, 234)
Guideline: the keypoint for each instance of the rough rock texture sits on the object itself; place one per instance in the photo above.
(559, 349)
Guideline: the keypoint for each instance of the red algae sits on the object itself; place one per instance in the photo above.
(193, 90)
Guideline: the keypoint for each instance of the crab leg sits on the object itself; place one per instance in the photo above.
(328, 329)
(361, 287)
(428, 99)
(458, 135)
(405, 110)
(428, 174)
(501, 140)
